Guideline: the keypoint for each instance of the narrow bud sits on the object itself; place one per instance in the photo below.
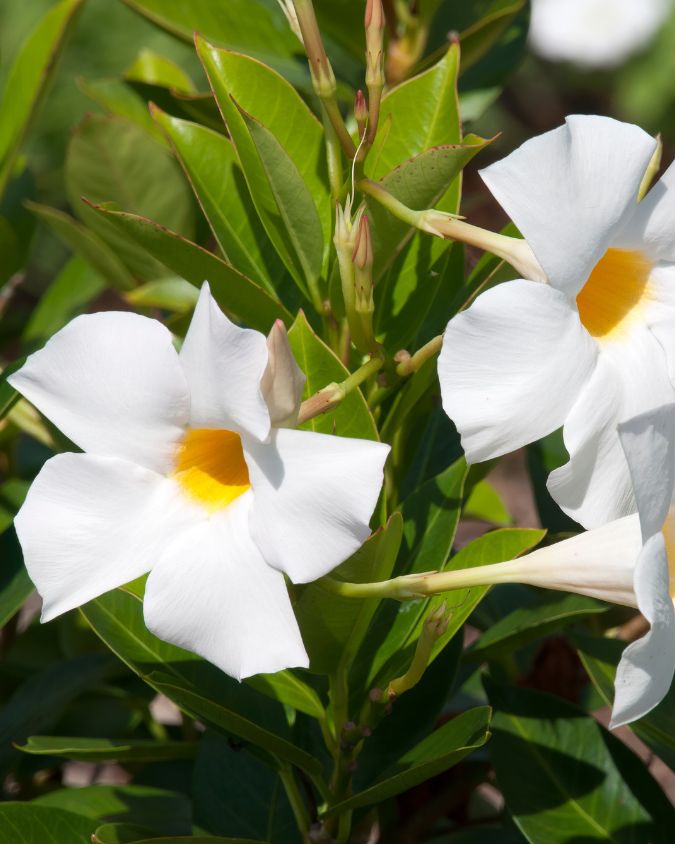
(289, 11)
(283, 381)
(374, 25)
(361, 112)
(362, 258)
(323, 78)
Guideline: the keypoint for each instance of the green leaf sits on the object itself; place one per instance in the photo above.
(170, 294)
(420, 113)
(27, 823)
(573, 781)
(261, 31)
(192, 839)
(211, 164)
(192, 683)
(87, 244)
(289, 689)
(478, 39)
(41, 699)
(8, 395)
(600, 657)
(441, 750)
(111, 160)
(351, 418)
(12, 494)
(242, 85)
(486, 504)
(15, 585)
(120, 833)
(418, 183)
(154, 69)
(333, 627)
(28, 80)
(294, 204)
(236, 794)
(102, 750)
(75, 287)
(236, 294)
(167, 812)
(551, 611)
(118, 98)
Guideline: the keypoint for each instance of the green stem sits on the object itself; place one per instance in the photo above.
(412, 364)
(298, 805)
(333, 157)
(331, 395)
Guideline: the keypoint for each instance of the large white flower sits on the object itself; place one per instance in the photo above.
(594, 33)
(184, 476)
(593, 346)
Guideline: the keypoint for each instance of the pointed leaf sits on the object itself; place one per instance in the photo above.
(31, 824)
(104, 750)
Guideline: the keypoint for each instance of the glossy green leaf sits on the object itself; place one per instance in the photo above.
(289, 689)
(333, 627)
(167, 812)
(418, 183)
(120, 833)
(42, 698)
(261, 31)
(420, 113)
(486, 504)
(28, 80)
(211, 164)
(444, 748)
(600, 657)
(101, 750)
(75, 287)
(573, 781)
(243, 86)
(192, 683)
(112, 160)
(294, 203)
(477, 40)
(236, 294)
(27, 823)
(117, 97)
(154, 69)
(551, 611)
(236, 794)
(15, 585)
(351, 418)
(171, 294)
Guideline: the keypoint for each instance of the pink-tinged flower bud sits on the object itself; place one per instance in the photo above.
(360, 111)
(283, 381)
(374, 25)
(362, 256)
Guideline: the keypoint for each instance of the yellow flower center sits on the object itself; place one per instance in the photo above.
(611, 298)
(210, 467)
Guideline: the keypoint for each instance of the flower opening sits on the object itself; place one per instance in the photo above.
(611, 298)
(210, 467)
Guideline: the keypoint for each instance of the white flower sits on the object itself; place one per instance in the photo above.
(594, 33)
(183, 476)
(626, 561)
(593, 346)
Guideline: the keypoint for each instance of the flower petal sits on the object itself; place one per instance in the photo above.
(113, 384)
(283, 381)
(646, 668)
(212, 593)
(648, 441)
(224, 365)
(660, 311)
(570, 190)
(512, 366)
(631, 377)
(313, 496)
(92, 523)
(651, 228)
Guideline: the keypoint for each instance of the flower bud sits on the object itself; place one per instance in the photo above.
(374, 26)
(362, 258)
(283, 381)
(360, 112)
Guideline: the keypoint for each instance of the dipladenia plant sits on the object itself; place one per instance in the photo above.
(257, 446)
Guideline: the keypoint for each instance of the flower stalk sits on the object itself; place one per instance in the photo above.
(323, 78)
(374, 23)
(409, 364)
(330, 396)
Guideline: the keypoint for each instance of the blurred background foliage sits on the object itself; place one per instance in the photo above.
(549, 663)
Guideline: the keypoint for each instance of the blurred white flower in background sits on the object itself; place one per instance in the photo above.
(594, 33)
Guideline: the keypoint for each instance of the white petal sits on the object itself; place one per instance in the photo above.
(648, 441)
(631, 377)
(599, 563)
(92, 523)
(512, 366)
(113, 384)
(652, 228)
(212, 593)
(313, 496)
(594, 33)
(283, 381)
(224, 365)
(645, 672)
(660, 311)
(570, 190)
